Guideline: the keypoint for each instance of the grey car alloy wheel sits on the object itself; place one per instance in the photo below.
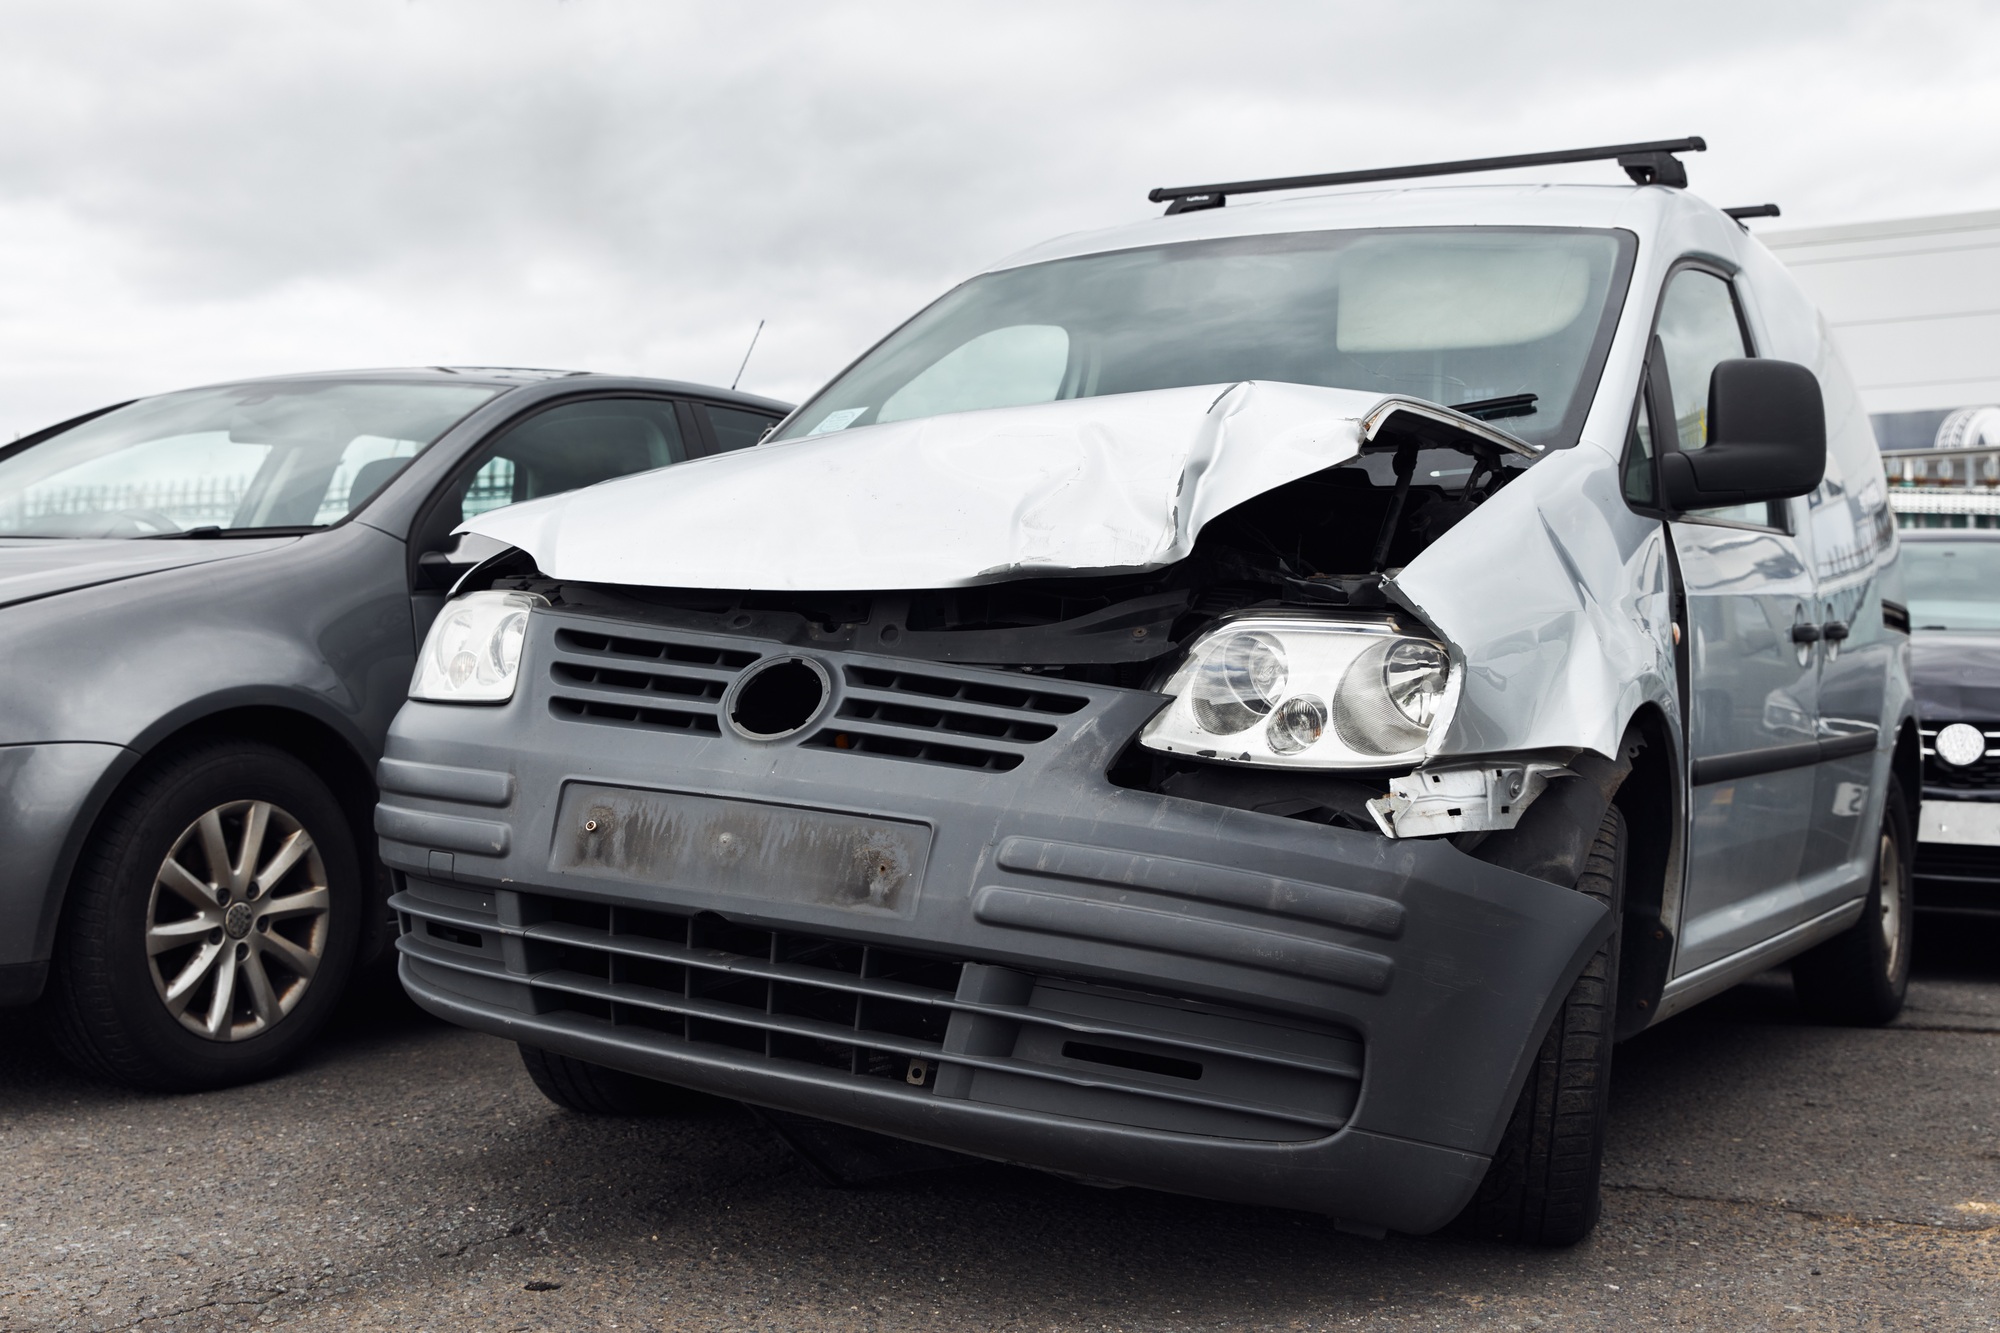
(237, 923)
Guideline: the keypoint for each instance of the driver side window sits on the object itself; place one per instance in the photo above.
(1699, 327)
(576, 444)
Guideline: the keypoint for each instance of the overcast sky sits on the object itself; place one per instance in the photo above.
(219, 188)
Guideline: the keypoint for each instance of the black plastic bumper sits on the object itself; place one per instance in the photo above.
(934, 917)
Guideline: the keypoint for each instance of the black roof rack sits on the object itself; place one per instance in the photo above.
(1646, 163)
(1744, 211)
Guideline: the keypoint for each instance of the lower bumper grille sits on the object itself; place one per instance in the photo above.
(1942, 860)
(925, 1025)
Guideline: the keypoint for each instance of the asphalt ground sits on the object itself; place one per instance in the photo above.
(1764, 1173)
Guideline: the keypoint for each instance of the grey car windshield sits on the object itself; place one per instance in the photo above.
(1450, 315)
(244, 457)
(1952, 585)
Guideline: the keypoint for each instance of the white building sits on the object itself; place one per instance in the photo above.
(1915, 306)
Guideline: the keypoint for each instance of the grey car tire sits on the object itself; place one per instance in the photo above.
(1542, 1187)
(1861, 975)
(588, 1089)
(211, 924)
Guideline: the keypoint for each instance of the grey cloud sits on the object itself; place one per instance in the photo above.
(628, 186)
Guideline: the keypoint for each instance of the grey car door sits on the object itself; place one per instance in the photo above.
(1753, 687)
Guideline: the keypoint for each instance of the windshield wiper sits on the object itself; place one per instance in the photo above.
(211, 531)
(1493, 409)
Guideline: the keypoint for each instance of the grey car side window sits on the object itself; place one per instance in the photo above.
(734, 428)
(575, 444)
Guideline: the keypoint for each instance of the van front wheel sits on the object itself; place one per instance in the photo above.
(588, 1089)
(1542, 1186)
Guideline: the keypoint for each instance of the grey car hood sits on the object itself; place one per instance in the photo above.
(1122, 482)
(41, 567)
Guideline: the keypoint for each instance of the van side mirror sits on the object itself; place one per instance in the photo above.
(1766, 439)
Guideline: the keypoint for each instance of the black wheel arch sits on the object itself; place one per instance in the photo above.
(1906, 763)
(299, 725)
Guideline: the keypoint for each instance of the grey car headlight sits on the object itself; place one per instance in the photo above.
(1301, 692)
(473, 652)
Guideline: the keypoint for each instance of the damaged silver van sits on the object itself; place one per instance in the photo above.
(1253, 703)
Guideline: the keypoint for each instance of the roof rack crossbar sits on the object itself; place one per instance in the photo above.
(1646, 163)
(1753, 211)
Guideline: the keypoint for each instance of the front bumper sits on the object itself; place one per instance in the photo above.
(933, 916)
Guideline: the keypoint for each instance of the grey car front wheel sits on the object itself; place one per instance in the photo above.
(238, 921)
(212, 922)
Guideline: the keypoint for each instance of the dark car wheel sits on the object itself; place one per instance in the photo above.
(1542, 1187)
(212, 923)
(578, 1085)
(1861, 975)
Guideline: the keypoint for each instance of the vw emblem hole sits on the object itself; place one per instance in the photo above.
(779, 698)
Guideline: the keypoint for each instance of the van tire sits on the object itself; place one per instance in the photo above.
(1861, 975)
(1542, 1185)
(105, 1012)
(588, 1089)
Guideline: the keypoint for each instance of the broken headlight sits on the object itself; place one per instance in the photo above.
(1305, 693)
(473, 652)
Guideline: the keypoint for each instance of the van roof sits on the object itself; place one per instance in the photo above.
(1642, 209)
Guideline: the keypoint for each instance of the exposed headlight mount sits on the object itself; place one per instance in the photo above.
(473, 652)
(1433, 802)
(1307, 692)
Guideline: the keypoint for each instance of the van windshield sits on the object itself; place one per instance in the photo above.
(239, 458)
(1452, 315)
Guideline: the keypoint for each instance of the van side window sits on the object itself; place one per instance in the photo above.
(1698, 327)
(576, 444)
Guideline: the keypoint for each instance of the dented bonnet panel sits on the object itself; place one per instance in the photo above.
(1097, 484)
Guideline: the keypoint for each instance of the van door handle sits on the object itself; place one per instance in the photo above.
(1835, 631)
(1810, 633)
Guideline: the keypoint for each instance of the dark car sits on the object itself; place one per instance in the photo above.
(1953, 580)
(210, 606)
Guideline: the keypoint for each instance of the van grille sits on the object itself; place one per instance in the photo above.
(924, 1024)
(658, 684)
(978, 720)
(937, 719)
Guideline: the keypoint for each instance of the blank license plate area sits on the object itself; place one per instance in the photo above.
(743, 849)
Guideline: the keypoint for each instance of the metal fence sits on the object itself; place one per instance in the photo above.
(193, 500)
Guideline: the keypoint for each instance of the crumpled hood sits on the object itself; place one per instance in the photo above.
(1122, 482)
(42, 567)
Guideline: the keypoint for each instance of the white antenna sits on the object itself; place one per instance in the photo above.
(746, 355)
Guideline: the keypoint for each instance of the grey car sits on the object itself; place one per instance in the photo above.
(210, 604)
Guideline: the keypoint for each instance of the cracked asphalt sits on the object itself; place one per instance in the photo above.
(1764, 1174)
